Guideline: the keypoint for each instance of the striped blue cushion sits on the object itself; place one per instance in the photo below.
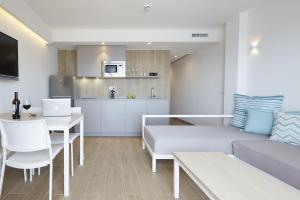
(261, 103)
(287, 128)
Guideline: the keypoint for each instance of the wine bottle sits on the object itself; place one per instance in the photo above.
(16, 107)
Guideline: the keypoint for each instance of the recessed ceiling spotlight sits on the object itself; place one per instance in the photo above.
(149, 43)
(175, 56)
(147, 7)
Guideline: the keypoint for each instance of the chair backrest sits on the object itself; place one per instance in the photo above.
(33, 110)
(75, 110)
(25, 136)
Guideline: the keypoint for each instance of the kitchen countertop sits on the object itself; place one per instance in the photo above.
(119, 98)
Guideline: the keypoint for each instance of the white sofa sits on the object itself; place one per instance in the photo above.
(162, 141)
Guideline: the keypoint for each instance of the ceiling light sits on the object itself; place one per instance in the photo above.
(175, 56)
(147, 7)
(103, 43)
(149, 43)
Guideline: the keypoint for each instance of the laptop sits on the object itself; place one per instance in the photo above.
(56, 107)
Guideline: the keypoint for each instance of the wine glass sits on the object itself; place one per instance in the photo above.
(27, 105)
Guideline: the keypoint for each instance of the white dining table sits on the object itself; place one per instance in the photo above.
(60, 124)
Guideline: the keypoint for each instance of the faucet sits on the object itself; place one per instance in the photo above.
(152, 93)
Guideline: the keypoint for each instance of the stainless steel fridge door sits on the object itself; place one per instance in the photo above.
(61, 86)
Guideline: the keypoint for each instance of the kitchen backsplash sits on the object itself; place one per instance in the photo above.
(138, 62)
(90, 88)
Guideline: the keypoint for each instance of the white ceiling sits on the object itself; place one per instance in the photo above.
(130, 14)
(165, 14)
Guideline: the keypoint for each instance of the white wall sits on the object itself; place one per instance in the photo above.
(197, 82)
(23, 12)
(276, 69)
(36, 62)
(236, 52)
(134, 35)
(231, 62)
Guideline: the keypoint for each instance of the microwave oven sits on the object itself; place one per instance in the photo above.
(114, 69)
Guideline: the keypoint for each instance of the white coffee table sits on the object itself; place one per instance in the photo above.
(225, 178)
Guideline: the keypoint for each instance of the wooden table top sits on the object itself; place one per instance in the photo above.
(226, 178)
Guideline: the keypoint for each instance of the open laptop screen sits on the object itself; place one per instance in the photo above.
(56, 107)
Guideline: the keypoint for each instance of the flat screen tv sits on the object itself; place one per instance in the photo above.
(8, 57)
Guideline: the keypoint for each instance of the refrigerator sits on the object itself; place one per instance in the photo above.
(61, 87)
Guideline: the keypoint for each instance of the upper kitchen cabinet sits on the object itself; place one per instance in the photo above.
(67, 62)
(113, 53)
(88, 61)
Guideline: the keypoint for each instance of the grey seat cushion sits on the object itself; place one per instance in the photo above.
(278, 159)
(169, 139)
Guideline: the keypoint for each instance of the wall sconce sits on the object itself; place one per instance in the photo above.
(254, 49)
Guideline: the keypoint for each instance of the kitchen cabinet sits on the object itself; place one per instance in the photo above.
(135, 109)
(158, 107)
(119, 117)
(67, 62)
(88, 61)
(113, 115)
(113, 53)
(91, 111)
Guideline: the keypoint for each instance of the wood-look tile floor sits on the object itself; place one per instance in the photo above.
(115, 169)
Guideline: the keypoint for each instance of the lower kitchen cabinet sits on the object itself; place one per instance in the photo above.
(158, 108)
(113, 115)
(91, 111)
(119, 117)
(135, 109)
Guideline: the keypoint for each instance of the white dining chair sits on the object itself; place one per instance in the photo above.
(58, 138)
(32, 110)
(8, 154)
(31, 146)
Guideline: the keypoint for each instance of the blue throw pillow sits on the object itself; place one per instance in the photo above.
(262, 103)
(259, 122)
(287, 128)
